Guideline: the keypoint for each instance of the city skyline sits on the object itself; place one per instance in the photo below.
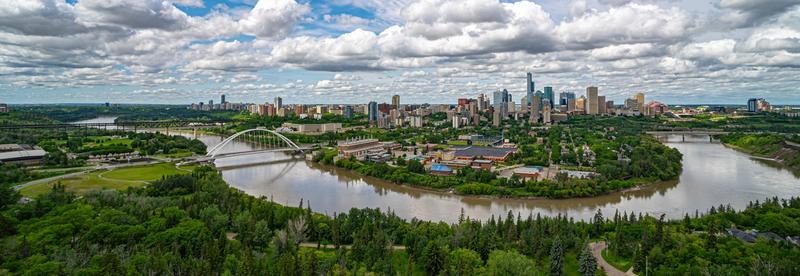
(426, 51)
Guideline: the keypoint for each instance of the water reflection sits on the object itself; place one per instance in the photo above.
(712, 175)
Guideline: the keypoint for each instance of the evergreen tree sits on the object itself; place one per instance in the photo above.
(598, 223)
(587, 263)
(557, 258)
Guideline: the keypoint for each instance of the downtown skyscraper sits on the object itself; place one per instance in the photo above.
(531, 88)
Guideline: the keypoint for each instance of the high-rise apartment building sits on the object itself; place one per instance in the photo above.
(591, 100)
(348, 111)
(396, 101)
(278, 102)
(372, 112)
(752, 105)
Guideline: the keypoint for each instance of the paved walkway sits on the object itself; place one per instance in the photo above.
(597, 249)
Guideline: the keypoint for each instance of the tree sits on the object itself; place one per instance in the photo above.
(434, 257)
(8, 196)
(587, 265)
(557, 258)
(464, 262)
(598, 223)
(415, 166)
(502, 263)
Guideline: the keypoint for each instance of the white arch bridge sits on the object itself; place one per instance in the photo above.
(258, 140)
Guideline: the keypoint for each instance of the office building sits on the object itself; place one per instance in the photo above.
(601, 105)
(396, 101)
(591, 100)
(549, 96)
(278, 102)
(571, 104)
(531, 88)
(496, 118)
(534, 115)
(523, 104)
(482, 102)
(546, 112)
(222, 99)
(580, 104)
(501, 102)
(539, 95)
(640, 99)
(372, 112)
(564, 98)
(632, 104)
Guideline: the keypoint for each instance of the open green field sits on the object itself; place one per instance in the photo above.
(106, 141)
(146, 172)
(121, 178)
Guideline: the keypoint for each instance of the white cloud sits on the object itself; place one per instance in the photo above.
(632, 23)
(745, 13)
(271, 18)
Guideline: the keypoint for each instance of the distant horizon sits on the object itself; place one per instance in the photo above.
(181, 51)
(776, 105)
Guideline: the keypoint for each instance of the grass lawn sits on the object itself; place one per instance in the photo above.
(120, 179)
(81, 184)
(618, 262)
(107, 140)
(146, 172)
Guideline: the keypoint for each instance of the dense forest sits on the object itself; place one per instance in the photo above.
(27, 114)
(196, 224)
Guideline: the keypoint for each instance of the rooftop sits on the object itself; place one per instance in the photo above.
(440, 168)
(475, 151)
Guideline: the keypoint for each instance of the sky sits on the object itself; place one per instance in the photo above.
(426, 51)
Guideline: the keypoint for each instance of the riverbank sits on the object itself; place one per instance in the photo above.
(484, 184)
(767, 147)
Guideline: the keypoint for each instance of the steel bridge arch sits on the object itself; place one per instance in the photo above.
(215, 149)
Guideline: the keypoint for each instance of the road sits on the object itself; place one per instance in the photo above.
(597, 249)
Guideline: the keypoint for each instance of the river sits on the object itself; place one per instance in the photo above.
(712, 175)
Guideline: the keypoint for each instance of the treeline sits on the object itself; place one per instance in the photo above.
(196, 224)
(765, 145)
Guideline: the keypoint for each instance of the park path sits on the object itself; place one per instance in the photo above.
(597, 249)
(88, 169)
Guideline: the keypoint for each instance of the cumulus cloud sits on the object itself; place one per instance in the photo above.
(436, 48)
(142, 14)
(351, 51)
(633, 23)
(458, 31)
(746, 13)
(270, 18)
